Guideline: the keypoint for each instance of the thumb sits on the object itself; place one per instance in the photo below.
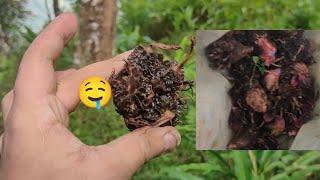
(129, 152)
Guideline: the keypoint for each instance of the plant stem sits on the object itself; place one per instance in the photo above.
(193, 40)
(254, 162)
(253, 72)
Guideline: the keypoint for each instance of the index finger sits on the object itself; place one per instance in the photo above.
(36, 75)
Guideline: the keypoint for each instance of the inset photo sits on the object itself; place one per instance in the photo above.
(258, 89)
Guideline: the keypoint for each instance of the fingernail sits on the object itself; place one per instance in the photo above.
(172, 140)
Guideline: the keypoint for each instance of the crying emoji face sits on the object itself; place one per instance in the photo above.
(95, 92)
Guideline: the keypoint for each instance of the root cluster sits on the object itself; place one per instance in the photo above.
(146, 92)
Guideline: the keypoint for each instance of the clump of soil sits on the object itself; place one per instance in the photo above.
(146, 92)
(273, 92)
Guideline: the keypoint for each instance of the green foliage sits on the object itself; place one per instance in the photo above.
(162, 19)
(66, 58)
(237, 165)
(12, 12)
(8, 70)
(97, 127)
(128, 39)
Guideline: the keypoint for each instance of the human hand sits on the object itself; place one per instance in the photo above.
(37, 143)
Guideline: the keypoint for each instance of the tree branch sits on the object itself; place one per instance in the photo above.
(56, 8)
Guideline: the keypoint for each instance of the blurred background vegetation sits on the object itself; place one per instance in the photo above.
(173, 22)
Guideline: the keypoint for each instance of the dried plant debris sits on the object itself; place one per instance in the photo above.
(273, 92)
(146, 92)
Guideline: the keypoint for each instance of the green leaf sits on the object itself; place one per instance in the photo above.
(242, 165)
(259, 64)
(282, 176)
(291, 168)
(255, 59)
(203, 167)
(305, 172)
(308, 157)
(273, 165)
(265, 158)
(288, 158)
(223, 160)
(174, 173)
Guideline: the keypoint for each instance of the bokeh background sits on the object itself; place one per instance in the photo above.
(173, 22)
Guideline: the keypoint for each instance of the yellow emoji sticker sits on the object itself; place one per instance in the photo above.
(95, 92)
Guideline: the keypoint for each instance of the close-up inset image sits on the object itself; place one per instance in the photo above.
(258, 89)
